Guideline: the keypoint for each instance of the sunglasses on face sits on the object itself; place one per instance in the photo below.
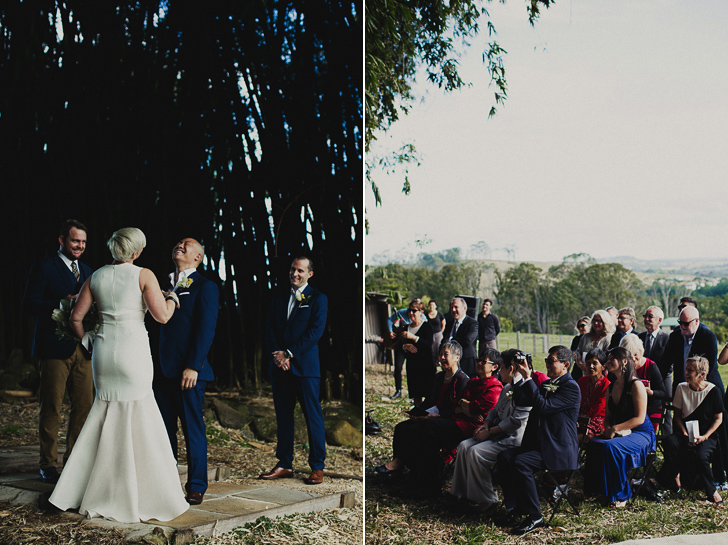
(685, 324)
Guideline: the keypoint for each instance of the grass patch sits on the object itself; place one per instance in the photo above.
(12, 430)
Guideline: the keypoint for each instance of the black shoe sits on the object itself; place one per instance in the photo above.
(384, 472)
(397, 395)
(49, 475)
(507, 519)
(529, 525)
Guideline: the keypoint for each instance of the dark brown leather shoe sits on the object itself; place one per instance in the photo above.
(276, 473)
(194, 497)
(316, 477)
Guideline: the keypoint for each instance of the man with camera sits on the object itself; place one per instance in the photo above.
(550, 440)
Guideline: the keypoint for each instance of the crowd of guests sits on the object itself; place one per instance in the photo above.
(511, 421)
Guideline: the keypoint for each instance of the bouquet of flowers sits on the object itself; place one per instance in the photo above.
(63, 326)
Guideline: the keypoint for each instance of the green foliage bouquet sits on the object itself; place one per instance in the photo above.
(62, 317)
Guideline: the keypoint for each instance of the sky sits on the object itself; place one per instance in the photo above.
(613, 140)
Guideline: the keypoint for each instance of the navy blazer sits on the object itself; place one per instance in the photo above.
(658, 345)
(704, 344)
(50, 281)
(551, 427)
(300, 333)
(466, 335)
(185, 340)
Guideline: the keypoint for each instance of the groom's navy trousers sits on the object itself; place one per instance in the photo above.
(184, 342)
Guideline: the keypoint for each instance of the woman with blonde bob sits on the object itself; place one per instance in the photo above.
(122, 467)
(600, 333)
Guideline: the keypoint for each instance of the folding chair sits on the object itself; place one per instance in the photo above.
(561, 491)
(643, 481)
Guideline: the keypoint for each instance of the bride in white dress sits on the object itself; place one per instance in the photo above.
(122, 467)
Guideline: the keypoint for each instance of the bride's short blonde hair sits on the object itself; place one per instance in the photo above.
(125, 242)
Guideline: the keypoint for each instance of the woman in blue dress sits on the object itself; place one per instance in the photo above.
(628, 433)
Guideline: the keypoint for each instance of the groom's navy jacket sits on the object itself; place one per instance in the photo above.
(186, 339)
(300, 333)
(50, 281)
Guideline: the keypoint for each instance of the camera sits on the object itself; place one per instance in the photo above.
(521, 356)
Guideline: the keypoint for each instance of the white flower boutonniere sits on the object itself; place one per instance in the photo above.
(301, 298)
(551, 387)
(509, 394)
(184, 283)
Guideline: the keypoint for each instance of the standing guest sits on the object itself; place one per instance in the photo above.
(686, 301)
(550, 440)
(625, 326)
(647, 371)
(503, 428)
(691, 339)
(463, 329)
(184, 370)
(654, 339)
(397, 323)
(416, 342)
(488, 327)
(64, 364)
(696, 400)
(582, 326)
(600, 333)
(593, 388)
(627, 437)
(296, 322)
(437, 320)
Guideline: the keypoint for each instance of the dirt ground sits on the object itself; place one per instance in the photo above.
(226, 448)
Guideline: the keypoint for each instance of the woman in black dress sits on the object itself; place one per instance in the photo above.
(416, 342)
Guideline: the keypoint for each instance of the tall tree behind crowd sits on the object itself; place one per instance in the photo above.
(239, 125)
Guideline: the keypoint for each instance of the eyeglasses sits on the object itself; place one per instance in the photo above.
(483, 362)
(413, 310)
(551, 360)
(648, 316)
(686, 324)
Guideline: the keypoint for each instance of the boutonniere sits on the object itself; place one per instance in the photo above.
(301, 298)
(184, 283)
(551, 387)
(509, 394)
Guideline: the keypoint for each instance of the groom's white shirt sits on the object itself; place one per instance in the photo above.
(182, 275)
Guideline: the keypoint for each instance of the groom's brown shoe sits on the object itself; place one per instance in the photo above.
(276, 473)
(316, 477)
(194, 497)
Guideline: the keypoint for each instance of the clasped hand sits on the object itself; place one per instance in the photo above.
(482, 433)
(282, 360)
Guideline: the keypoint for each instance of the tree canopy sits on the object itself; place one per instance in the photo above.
(237, 123)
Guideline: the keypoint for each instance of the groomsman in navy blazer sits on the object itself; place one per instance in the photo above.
(64, 364)
(296, 322)
(183, 370)
(550, 440)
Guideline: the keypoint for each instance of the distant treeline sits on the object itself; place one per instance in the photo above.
(528, 298)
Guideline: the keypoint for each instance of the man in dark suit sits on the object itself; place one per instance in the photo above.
(463, 329)
(625, 326)
(296, 322)
(550, 440)
(691, 339)
(182, 370)
(64, 364)
(654, 339)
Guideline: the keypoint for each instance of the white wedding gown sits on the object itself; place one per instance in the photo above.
(121, 467)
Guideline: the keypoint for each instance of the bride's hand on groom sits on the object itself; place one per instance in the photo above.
(189, 379)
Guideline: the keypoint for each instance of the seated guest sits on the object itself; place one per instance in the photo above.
(610, 456)
(600, 334)
(513, 353)
(503, 428)
(647, 371)
(696, 400)
(418, 442)
(593, 388)
(416, 341)
(549, 441)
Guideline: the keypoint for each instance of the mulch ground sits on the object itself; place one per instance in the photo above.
(226, 448)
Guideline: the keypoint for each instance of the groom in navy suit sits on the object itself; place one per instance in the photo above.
(550, 440)
(296, 322)
(183, 372)
(64, 364)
